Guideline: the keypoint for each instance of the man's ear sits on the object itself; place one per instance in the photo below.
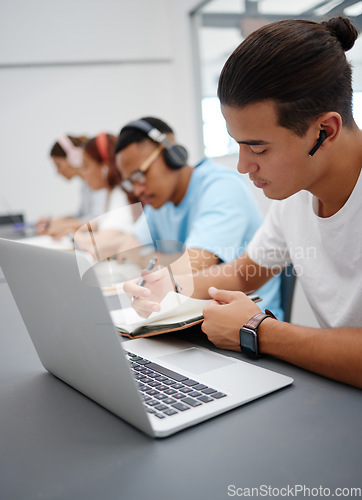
(331, 123)
(326, 130)
(322, 137)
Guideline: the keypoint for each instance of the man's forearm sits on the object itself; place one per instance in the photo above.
(334, 353)
(220, 276)
(242, 274)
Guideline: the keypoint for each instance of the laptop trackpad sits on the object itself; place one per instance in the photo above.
(197, 361)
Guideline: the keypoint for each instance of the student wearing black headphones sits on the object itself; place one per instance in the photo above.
(209, 208)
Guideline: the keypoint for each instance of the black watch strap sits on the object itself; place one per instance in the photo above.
(249, 342)
(255, 320)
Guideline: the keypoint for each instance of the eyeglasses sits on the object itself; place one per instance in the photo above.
(139, 175)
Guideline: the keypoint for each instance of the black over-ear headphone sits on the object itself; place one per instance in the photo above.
(322, 137)
(175, 155)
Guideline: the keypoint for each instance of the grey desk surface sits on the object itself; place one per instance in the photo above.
(57, 444)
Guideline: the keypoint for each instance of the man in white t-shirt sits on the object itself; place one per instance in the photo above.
(286, 97)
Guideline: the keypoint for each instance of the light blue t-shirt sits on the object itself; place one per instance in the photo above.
(218, 213)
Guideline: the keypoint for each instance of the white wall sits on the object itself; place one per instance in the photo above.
(85, 66)
(81, 67)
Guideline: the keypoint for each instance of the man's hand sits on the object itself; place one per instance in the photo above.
(225, 315)
(57, 228)
(146, 299)
(42, 225)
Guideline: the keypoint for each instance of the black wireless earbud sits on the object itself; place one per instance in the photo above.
(322, 137)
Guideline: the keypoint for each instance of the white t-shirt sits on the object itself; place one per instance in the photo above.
(326, 253)
(117, 214)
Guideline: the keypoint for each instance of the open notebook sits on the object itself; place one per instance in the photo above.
(177, 312)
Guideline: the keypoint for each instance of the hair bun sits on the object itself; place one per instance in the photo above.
(343, 30)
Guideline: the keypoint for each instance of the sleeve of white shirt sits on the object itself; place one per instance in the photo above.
(268, 247)
(119, 215)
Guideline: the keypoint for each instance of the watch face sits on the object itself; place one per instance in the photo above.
(249, 339)
(249, 342)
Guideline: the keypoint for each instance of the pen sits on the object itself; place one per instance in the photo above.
(141, 282)
(90, 230)
(254, 298)
(151, 264)
(76, 247)
(74, 243)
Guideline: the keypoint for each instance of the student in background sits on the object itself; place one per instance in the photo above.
(286, 95)
(208, 208)
(67, 155)
(100, 173)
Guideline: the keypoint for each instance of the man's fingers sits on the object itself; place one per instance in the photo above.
(133, 290)
(224, 296)
(153, 276)
(145, 307)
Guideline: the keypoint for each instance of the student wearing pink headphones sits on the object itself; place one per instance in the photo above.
(100, 173)
(67, 155)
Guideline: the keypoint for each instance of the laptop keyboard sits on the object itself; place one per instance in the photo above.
(166, 393)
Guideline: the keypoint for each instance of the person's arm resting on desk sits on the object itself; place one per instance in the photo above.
(335, 352)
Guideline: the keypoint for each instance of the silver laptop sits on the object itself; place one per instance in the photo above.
(160, 385)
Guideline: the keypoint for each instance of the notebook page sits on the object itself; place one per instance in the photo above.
(174, 307)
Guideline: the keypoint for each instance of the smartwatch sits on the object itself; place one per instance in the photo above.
(249, 334)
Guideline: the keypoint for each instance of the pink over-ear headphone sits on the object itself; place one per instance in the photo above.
(102, 146)
(74, 153)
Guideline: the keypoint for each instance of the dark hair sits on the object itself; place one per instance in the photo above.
(130, 135)
(91, 147)
(58, 151)
(300, 65)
